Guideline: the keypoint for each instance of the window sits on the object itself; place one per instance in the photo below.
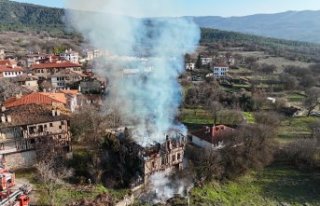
(60, 127)
(32, 130)
(62, 122)
(51, 124)
(40, 128)
(179, 156)
(153, 164)
(173, 158)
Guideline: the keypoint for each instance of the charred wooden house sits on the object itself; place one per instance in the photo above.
(155, 157)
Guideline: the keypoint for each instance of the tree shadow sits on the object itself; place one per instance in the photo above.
(286, 184)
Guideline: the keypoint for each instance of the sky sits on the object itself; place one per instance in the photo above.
(225, 8)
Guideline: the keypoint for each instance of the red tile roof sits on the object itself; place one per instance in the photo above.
(6, 62)
(70, 91)
(213, 134)
(10, 69)
(34, 98)
(51, 65)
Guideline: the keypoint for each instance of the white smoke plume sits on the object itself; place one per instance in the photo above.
(162, 186)
(146, 58)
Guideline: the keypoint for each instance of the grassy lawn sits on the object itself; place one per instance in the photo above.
(197, 116)
(295, 97)
(66, 193)
(296, 127)
(203, 117)
(249, 117)
(275, 185)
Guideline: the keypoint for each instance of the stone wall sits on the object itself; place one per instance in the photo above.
(20, 160)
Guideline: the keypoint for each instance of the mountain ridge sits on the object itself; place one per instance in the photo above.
(289, 25)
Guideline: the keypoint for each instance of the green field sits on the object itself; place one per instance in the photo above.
(276, 185)
(196, 116)
(296, 127)
(295, 97)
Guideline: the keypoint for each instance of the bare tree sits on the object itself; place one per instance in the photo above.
(303, 153)
(88, 125)
(267, 68)
(312, 100)
(214, 107)
(52, 173)
(9, 89)
(251, 147)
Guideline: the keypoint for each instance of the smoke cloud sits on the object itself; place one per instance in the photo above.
(145, 58)
(163, 186)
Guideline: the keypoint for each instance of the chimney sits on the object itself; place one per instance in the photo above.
(53, 112)
(3, 118)
(18, 96)
(3, 109)
(212, 130)
(58, 112)
(9, 119)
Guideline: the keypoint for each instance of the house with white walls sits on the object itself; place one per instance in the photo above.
(220, 71)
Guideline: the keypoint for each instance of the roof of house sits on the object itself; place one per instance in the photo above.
(36, 98)
(7, 62)
(212, 134)
(11, 69)
(70, 91)
(31, 114)
(221, 65)
(25, 77)
(67, 72)
(51, 65)
(59, 97)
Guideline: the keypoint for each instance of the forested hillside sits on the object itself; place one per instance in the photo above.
(27, 17)
(21, 17)
(278, 47)
(292, 25)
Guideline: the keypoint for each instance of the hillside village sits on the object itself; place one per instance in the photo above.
(47, 98)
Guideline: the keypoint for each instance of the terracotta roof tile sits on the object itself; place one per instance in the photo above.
(71, 91)
(11, 69)
(212, 134)
(35, 98)
(60, 97)
(6, 62)
(51, 65)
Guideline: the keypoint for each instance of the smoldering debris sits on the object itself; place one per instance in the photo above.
(163, 186)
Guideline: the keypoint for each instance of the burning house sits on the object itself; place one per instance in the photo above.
(152, 158)
(160, 157)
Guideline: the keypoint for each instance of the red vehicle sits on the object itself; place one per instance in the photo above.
(8, 196)
(7, 179)
(17, 198)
